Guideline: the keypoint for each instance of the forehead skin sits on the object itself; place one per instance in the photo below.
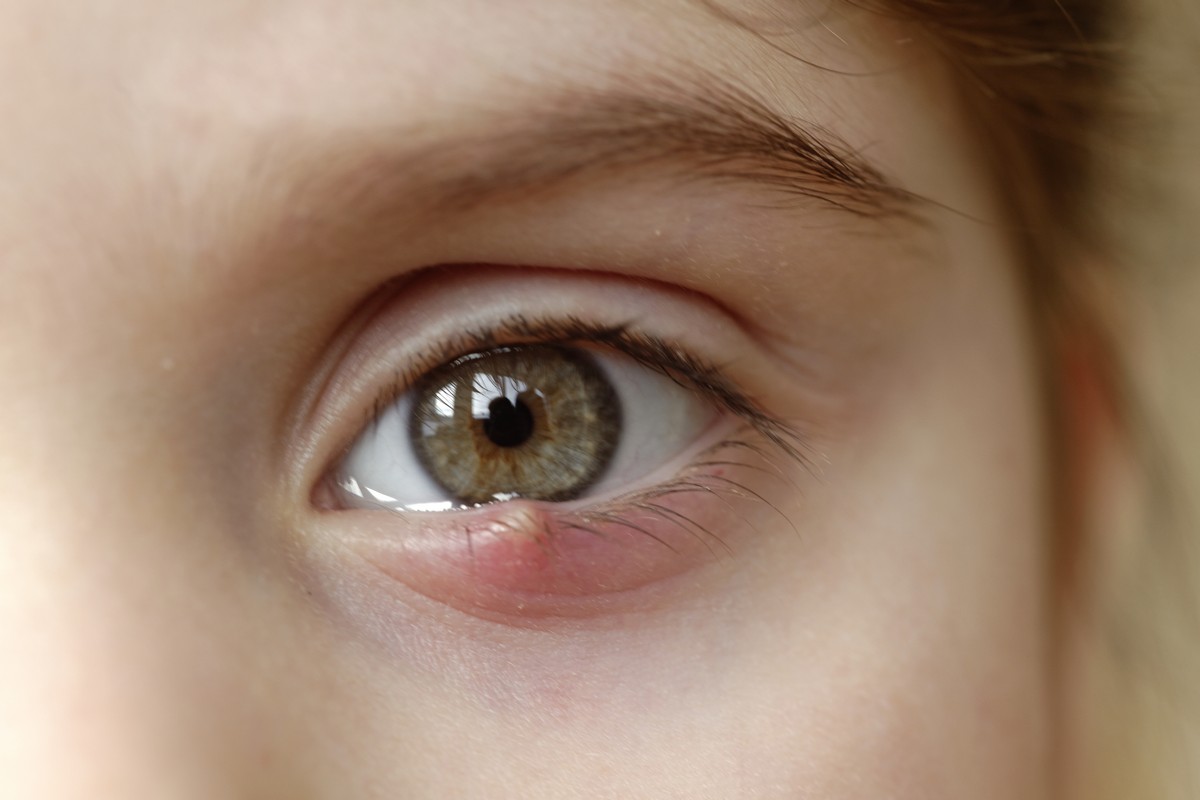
(195, 196)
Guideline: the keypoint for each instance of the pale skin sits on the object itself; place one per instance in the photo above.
(181, 258)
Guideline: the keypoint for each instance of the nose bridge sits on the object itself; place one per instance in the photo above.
(85, 698)
(131, 664)
(112, 684)
(144, 614)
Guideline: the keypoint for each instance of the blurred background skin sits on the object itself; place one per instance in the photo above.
(1170, 238)
(1155, 214)
(1174, 251)
(1164, 228)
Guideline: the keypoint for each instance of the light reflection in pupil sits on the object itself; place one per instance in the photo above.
(508, 424)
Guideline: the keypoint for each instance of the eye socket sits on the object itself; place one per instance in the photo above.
(660, 468)
(537, 422)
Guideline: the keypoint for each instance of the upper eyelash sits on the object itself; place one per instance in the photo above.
(647, 350)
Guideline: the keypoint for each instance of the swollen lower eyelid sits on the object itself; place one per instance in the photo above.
(529, 561)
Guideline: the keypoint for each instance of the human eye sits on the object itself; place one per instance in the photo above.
(545, 422)
(540, 462)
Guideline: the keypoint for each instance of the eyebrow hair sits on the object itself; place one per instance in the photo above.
(721, 132)
(701, 128)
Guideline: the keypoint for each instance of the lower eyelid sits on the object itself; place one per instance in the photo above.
(526, 563)
(522, 562)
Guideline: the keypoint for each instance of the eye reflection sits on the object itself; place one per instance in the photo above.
(443, 401)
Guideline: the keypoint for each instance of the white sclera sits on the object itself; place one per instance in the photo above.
(659, 420)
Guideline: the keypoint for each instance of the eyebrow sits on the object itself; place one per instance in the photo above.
(697, 128)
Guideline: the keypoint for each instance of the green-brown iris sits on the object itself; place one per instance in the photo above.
(535, 421)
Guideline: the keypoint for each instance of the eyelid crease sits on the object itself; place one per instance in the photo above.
(651, 352)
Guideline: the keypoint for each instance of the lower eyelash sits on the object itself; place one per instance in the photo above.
(697, 478)
(703, 478)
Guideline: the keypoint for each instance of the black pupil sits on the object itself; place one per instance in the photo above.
(508, 424)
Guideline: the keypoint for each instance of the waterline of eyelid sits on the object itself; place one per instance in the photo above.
(693, 478)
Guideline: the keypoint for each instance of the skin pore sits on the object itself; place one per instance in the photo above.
(230, 230)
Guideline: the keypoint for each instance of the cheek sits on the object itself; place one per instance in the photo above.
(932, 608)
(943, 573)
